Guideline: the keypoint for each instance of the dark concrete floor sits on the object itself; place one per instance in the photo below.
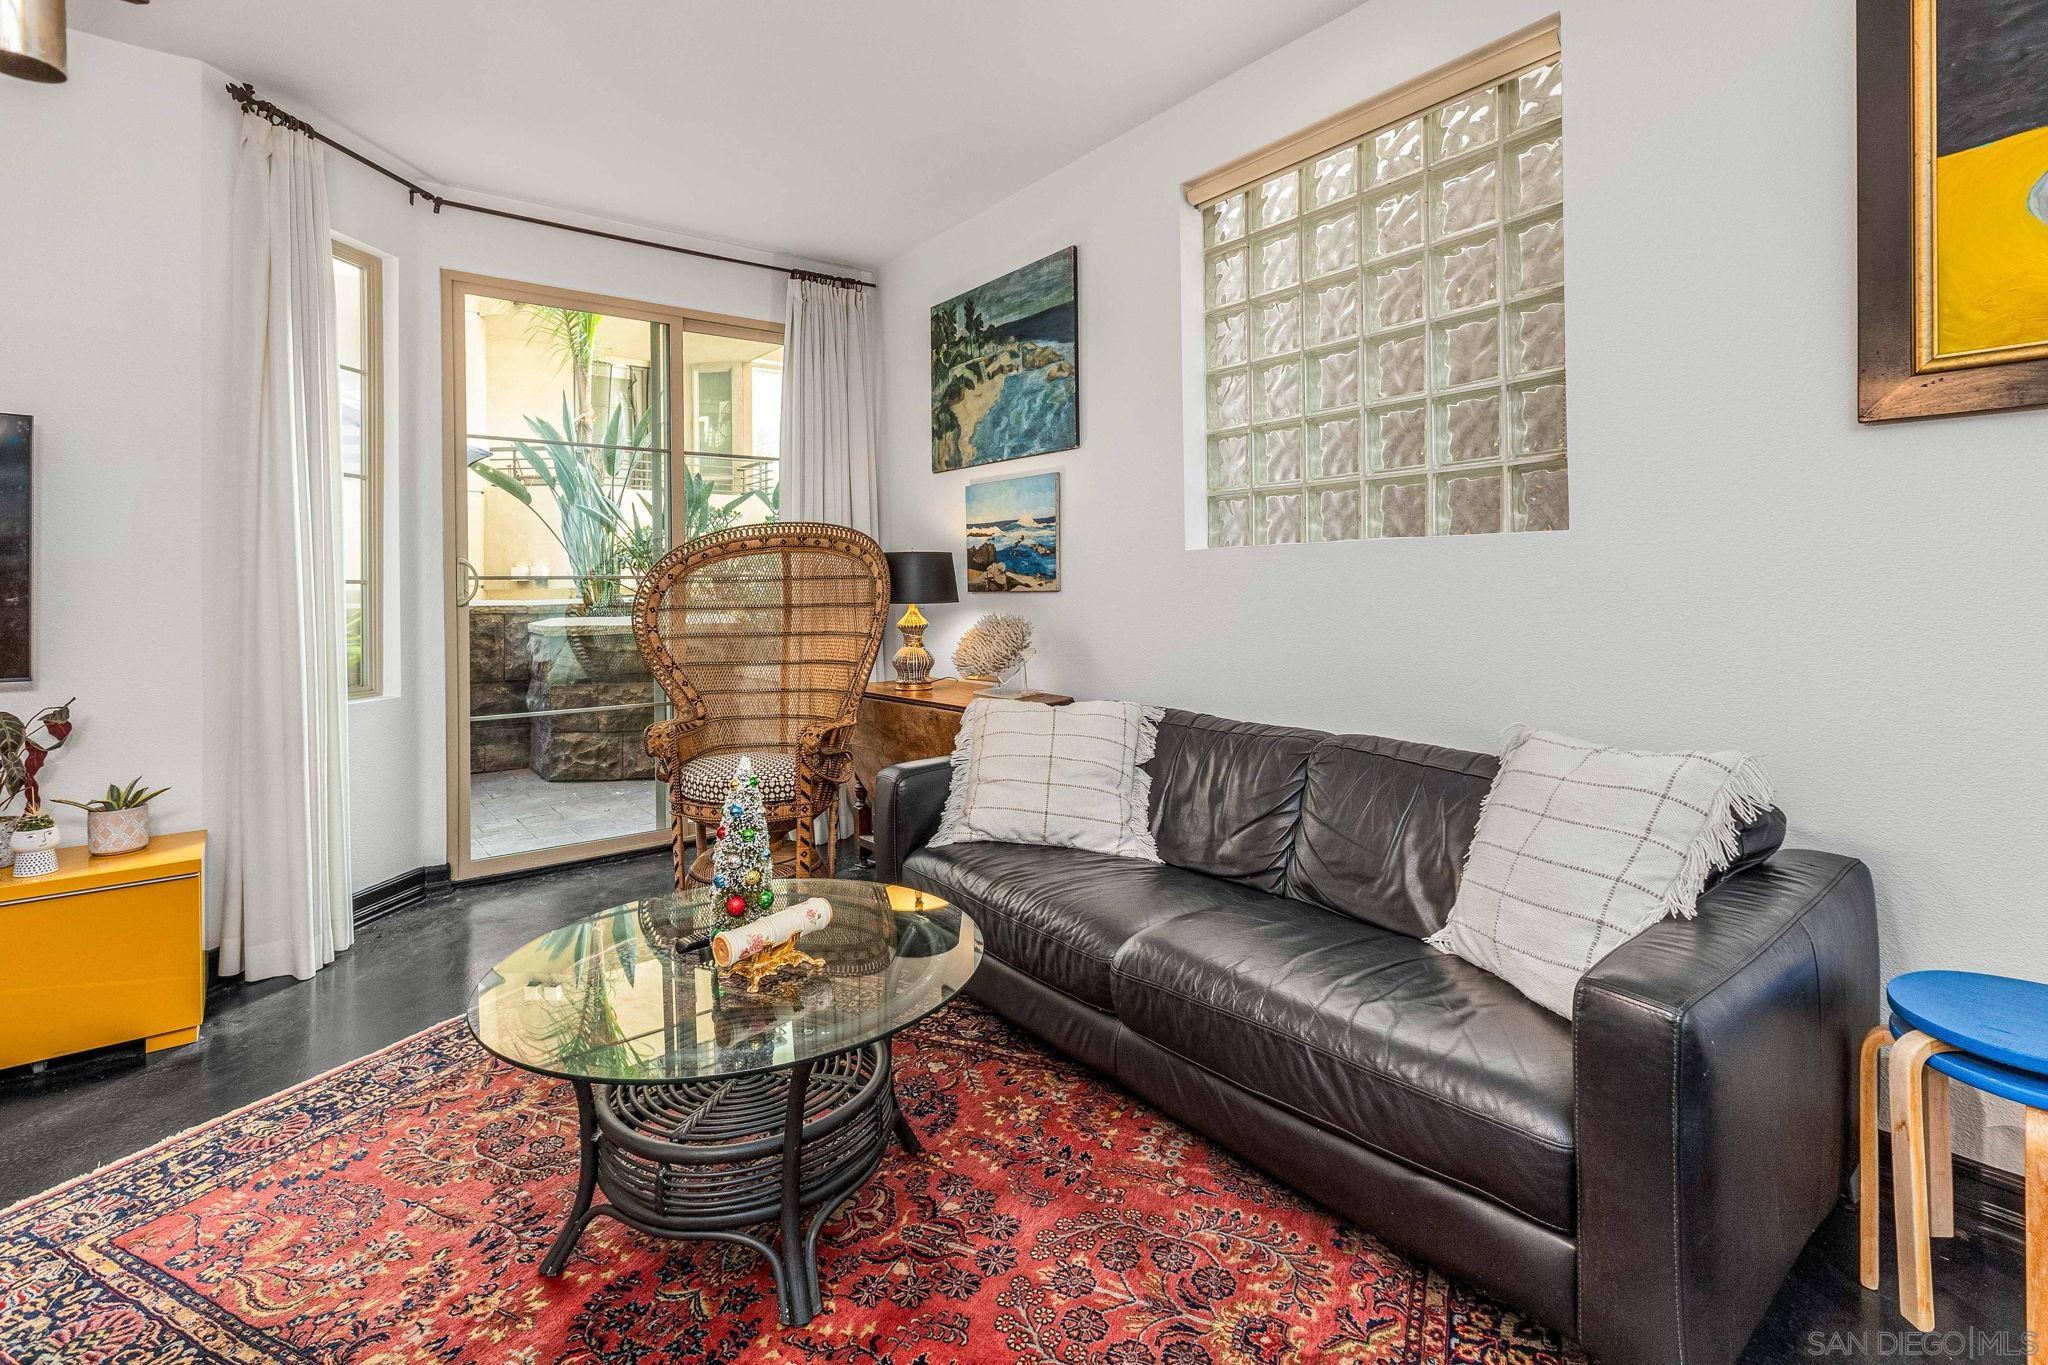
(415, 968)
(405, 972)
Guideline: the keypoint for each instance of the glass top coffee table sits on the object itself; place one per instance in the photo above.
(704, 1109)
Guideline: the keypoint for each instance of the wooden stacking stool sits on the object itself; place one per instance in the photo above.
(1990, 1033)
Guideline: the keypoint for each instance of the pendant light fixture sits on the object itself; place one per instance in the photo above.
(32, 39)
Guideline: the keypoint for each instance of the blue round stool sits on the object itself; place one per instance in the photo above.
(1989, 1033)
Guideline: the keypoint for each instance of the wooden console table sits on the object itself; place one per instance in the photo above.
(898, 724)
(103, 951)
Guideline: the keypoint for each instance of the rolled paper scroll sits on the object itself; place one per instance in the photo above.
(732, 945)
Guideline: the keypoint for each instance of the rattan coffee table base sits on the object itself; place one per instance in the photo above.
(720, 1159)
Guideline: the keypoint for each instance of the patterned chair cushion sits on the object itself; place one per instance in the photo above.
(705, 779)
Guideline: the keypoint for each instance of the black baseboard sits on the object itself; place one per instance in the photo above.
(407, 888)
(661, 852)
(1990, 1203)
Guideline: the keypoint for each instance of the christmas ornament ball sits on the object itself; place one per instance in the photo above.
(735, 810)
(721, 831)
(735, 906)
(767, 898)
(753, 877)
(746, 836)
(718, 880)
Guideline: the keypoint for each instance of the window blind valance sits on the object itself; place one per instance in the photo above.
(1534, 44)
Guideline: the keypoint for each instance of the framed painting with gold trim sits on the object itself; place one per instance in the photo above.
(1952, 165)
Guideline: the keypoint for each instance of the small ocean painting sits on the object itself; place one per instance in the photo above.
(1006, 368)
(1013, 534)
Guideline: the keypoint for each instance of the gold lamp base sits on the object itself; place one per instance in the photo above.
(913, 662)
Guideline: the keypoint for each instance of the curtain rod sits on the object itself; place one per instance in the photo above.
(245, 95)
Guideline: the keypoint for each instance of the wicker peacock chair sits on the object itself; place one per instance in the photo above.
(763, 637)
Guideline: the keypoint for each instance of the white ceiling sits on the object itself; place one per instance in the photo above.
(841, 130)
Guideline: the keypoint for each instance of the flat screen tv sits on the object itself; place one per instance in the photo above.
(16, 441)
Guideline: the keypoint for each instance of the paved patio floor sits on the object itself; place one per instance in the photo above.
(519, 811)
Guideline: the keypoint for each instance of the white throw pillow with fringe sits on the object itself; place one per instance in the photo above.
(1066, 776)
(1581, 847)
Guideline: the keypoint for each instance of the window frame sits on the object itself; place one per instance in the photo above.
(1531, 46)
(455, 287)
(371, 477)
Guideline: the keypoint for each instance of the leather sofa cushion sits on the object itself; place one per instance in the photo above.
(1226, 794)
(1415, 1053)
(1385, 824)
(1062, 914)
(1760, 838)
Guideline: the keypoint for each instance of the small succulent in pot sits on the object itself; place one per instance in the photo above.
(119, 821)
(130, 797)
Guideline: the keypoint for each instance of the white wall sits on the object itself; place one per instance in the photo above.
(102, 244)
(397, 742)
(1747, 566)
(219, 561)
(397, 771)
(115, 196)
(388, 809)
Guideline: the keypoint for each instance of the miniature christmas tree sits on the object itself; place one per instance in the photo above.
(742, 862)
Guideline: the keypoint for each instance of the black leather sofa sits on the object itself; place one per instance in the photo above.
(1640, 1177)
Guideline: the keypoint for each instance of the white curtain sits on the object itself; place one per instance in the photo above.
(281, 849)
(828, 407)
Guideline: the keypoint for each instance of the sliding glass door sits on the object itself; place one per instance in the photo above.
(586, 436)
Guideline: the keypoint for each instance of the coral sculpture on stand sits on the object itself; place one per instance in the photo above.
(996, 646)
(743, 860)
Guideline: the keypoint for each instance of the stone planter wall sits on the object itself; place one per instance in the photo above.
(589, 661)
(533, 656)
(499, 670)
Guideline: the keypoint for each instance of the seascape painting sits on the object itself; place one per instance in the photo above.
(1006, 368)
(1982, 179)
(1013, 534)
(15, 480)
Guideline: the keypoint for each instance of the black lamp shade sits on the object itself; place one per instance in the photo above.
(922, 576)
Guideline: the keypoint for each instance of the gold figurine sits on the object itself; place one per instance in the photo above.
(756, 970)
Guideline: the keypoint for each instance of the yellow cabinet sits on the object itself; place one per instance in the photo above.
(103, 951)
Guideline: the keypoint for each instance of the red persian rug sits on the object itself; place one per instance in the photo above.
(397, 1209)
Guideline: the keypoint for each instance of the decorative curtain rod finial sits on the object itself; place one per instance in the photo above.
(843, 281)
(245, 95)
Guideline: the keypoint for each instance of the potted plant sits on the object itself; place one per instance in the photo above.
(24, 747)
(119, 821)
(34, 844)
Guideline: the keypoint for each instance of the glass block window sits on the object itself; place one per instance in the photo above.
(1384, 330)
